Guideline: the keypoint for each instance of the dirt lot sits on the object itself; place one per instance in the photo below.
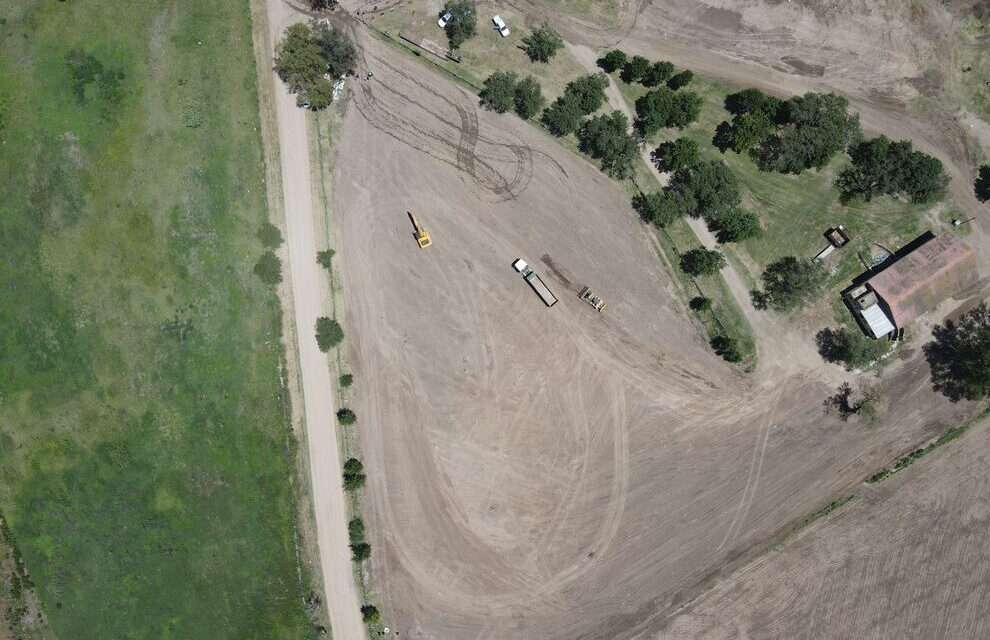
(555, 473)
(909, 560)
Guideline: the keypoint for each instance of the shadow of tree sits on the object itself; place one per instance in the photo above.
(959, 356)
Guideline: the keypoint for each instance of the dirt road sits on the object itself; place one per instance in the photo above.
(307, 285)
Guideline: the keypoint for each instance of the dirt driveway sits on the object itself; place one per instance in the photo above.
(553, 473)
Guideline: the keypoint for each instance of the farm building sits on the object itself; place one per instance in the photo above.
(914, 280)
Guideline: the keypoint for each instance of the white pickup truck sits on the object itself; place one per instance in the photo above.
(500, 26)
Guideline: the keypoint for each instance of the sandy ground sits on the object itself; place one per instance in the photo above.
(555, 473)
(306, 279)
(908, 560)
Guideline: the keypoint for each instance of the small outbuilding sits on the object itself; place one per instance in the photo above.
(911, 282)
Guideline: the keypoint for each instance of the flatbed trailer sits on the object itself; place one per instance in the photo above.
(535, 282)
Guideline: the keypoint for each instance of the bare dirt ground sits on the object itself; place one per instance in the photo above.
(555, 473)
(908, 560)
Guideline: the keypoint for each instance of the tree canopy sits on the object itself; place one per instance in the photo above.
(463, 23)
(634, 69)
(660, 208)
(682, 79)
(791, 282)
(612, 61)
(880, 166)
(707, 189)
(563, 116)
(981, 188)
(528, 98)
(606, 138)
(499, 92)
(588, 92)
(306, 55)
(663, 107)
(959, 356)
(543, 44)
(702, 262)
(657, 74)
(328, 333)
(677, 154)
(851, 348)
(337, 49)
(735, 225)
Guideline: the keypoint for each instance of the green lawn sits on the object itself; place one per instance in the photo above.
(795, 210)
(145, 456)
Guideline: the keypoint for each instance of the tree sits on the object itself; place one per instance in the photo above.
(700, 304)
(346, 417)
(981, 188)
(959, 356)
(323, 5)
(588, 92)
(726, 347)
(605, 138)
(702, 262)
(660, 208)
(851, 348)
(355, 530)
(662, 108)
(657, 74)
(463, 21)
(543, 44)
(563, 116)
(682, 79)
(880, 166)
(746, 131)
(752, 101)
(269, 268)
(299, 59)
(634, 69)
(346, 380)
(735, 225)
(360, 551)
(678, 154)
(328, 333)
(499, 92)
(790, 282)
(270, 236)
(370, 615)
(325, 258)
(707, 189)
(813, 128)
(612, 61)
(353, 474)
(528, 98)
(337, 49)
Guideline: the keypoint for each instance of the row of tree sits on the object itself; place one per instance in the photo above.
(310, 58)
(639, 69)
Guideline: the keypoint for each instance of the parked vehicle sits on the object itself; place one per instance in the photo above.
(444, 19)
(535, 282)
(500, 26)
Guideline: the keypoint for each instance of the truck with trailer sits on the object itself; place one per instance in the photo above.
(536, 282)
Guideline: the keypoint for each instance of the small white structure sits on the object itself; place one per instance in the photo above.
(500, 26)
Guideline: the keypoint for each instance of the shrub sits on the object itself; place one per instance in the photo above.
(726, 347)
(702, 262)
(682, 79)
(588, 92)
(345, 416)
(563, 116)
(678, 154)
(499, 92)
(663, 108)
(528, 98)
(269, 268)
(790, 282)
(360, 551)
(635, 69)
(346, 380)
(353, 474)
(612, 61)
(325, 258)
(542, 44)
(981, 188)
(355, 530)
(605, 138)
(851, 348)
(657, 74)
(700, 304)
(270, 236)
(370, 614)
(328, 333)
(463, 22)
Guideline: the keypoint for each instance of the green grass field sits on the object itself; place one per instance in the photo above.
(145, 457)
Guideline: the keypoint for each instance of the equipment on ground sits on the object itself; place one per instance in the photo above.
(535, 282)
(422, 235)
(588, 296)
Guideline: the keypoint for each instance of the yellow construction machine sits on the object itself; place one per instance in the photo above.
(422, 235)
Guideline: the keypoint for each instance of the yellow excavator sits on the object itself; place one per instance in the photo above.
(422, 235)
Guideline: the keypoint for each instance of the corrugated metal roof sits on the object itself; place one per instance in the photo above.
(878, 321)
(920, 280)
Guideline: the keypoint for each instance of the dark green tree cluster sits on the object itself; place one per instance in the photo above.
(788, 136)
(306, 59)
(269, 267)
(727, 347)
(640, 69)
(882, 167)
(612, 61)
(851, 348)
(981, 188)
(503, 91)
(677, 154)
(542, 44)
(328, 333)
(702, 262)
(370, 614)
(606, 138)
(581, 97)
(346, 417)
(665, 107)
(959, 356)
(353, 474)
(679, 80)
(789, 283)
(360, 549)
(463, 23)
(634, 69)
(659, 73)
